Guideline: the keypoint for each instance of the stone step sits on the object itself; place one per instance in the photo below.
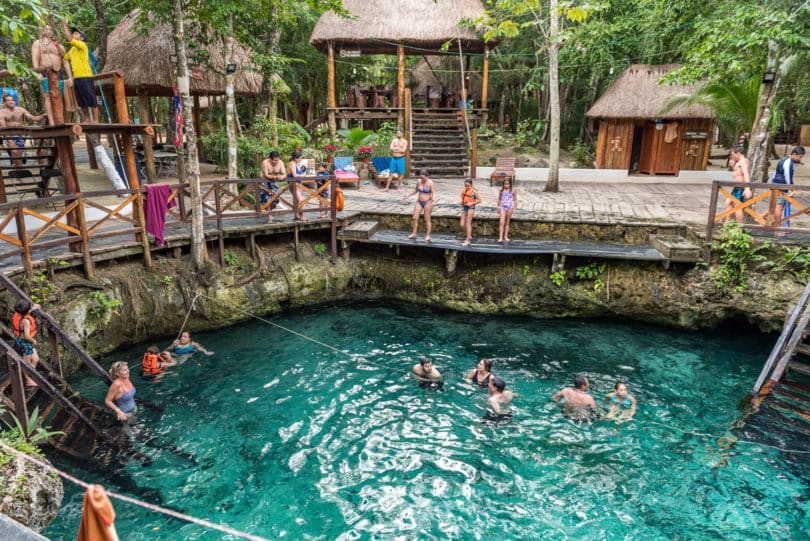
(360, 230)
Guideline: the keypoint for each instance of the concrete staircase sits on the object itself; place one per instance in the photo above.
(439, 144)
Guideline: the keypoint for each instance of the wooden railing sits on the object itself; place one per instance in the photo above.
(70, 228)
(767, 220)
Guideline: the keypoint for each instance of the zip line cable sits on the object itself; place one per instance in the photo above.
(133, 501)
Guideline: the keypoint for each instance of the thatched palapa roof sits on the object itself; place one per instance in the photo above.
(146, 62)
(379, 25)
(638, 93)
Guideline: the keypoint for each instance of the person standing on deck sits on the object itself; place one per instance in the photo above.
(47, 54)
(272, 172)
(399, 146)
(741, 173)
(784, 175)
(80, 73)
(11, 115)
(579, 405)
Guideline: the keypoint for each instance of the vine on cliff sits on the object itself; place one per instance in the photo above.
(738, 254)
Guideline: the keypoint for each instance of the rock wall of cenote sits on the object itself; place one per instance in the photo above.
(154, 302)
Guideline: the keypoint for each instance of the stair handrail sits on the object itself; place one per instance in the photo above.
(787, 331)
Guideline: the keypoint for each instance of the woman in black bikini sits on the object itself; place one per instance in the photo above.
(481, 375)
(424, 202)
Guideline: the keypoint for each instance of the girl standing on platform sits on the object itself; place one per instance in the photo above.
(424, 202)
(469, 199)
(507, 204)
(294, 171)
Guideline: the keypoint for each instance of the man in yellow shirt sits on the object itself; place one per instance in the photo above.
(80, 74)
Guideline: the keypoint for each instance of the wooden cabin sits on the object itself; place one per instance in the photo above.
(639, 134)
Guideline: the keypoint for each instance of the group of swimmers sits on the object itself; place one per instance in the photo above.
(121, 394)
(470, 199)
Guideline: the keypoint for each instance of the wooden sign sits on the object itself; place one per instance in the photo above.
(350, 53)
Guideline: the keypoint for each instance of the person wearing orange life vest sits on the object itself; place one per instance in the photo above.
(25, 331)
(469, 199)
(154, 362)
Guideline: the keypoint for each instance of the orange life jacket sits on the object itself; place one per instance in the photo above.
(339, 202)
(151, 363)
(468, 196)
(17, 323)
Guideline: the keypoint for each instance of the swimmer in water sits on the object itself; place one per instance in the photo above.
(579, 405)
(499, 399)
(482, 374)
(622, 405)
(427, 375)
(184, 345)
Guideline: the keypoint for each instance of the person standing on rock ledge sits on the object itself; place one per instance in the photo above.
(399, 145)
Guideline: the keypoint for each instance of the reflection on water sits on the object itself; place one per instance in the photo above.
(295, 440)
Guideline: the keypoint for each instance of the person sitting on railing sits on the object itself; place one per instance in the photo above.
(11, 115)
(741, 173)
(272, 171)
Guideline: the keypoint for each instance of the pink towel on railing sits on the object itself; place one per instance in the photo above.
(157, 202)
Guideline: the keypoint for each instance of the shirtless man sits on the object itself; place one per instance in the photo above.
(740, 171)
(11, 115)
(399, 145)
(272, 171)
(46, 55)
(579, 405)
(499, 400)
(427, 375)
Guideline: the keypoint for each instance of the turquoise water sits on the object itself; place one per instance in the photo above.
(295, 441)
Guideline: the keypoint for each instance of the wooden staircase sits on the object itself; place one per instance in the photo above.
(439, 144)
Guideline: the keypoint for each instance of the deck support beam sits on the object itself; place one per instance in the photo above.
(450, 262)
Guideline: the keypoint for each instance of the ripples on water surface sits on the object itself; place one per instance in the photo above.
(293, 440)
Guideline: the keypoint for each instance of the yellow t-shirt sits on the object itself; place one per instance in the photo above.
(79, 59)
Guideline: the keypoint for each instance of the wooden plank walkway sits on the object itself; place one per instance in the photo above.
(443, 241)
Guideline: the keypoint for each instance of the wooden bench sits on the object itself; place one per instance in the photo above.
(28, 170)
(504, 170)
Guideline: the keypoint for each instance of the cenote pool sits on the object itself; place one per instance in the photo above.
(293, 440)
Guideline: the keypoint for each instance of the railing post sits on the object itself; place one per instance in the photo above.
(220, 232)
(17, 391)
(137, 207)
(56, 357)
(333, 215)
(22, 235)
(707, 249)
(86, 259)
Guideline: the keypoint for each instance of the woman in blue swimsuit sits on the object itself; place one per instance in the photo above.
(184, 345)
(121, 394)
(622, 405)
(424, 203)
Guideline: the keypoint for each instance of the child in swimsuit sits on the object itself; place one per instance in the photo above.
(507, 204)
(424, 203)
(469, 199)
(622, 405)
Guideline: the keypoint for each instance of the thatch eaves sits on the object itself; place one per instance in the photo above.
(145, 60)
(639, 93)
(422, 26)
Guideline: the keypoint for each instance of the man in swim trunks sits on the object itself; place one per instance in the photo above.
(499, 400)
(783, 174)
(579, 405)
(272, 171)
(425, 372)
(47, 55)
(399, 145)
(80, 74)
(10, 116)
(741, 173)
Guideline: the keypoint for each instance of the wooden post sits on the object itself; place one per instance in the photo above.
(56, 357)
(220, 232)
(57, 107)
(145, 110)
(485, 87)
(331, 100)
(197, 116)
(137, 206)
(91, 154)
(474, 153)
(3, 197)
(333, 216)
(400, 82)
(86, 259)
(22, 236)
(708, 147)
(64, 150)
(707, 250)
(18, 391)
(407, 130)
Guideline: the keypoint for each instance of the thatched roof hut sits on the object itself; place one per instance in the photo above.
(145, 61)
(378, 26)
(639, 93)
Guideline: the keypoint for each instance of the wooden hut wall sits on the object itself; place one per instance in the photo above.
(695, 152)
(614, 144)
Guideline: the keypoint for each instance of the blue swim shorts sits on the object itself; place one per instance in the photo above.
(397, 166)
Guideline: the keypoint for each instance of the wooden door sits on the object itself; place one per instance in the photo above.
(668, 148)
(618, 144)
(646, 163)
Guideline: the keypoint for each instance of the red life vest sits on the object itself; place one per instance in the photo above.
(17, 323)
(151, 363)
(468, 196)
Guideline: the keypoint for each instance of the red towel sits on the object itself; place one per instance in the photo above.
(157, 197)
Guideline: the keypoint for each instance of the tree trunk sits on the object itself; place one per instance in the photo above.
(101, 22)
(761, 131)
(192, 164)
(230, 109)
(553, 184)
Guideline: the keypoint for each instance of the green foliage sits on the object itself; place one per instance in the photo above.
(355, 138)
(41, 288)
(738, 253)
(320, 248)
(385, 134)
(591, 270)
(526, 270)
(230, 258)
(104, 304)
(167, 280)
(582, 154)
(558, 277)
(17, 437)
(406, 281)
(795, 260)
(530, 132)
